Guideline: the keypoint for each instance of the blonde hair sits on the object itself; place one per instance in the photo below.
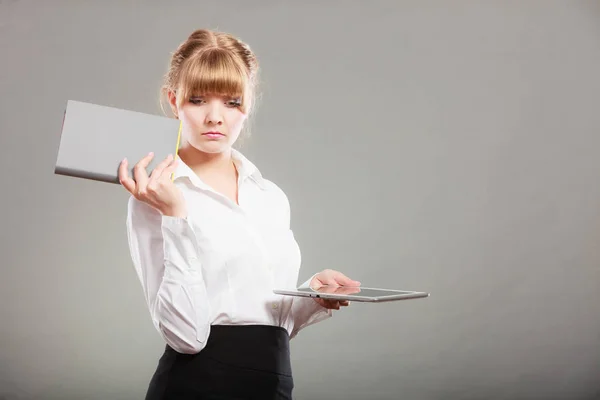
(210, 62)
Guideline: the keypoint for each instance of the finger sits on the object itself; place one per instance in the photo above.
(344, 303)
(333, 304)
(139, 171)
(343, 280)
(329, 280)
(329, 304)
(321, 302)
(124, 177)
(158, 170)
(170, 169)
(316, 283)
(328, 289)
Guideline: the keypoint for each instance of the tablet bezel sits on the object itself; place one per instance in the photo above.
(402, 295)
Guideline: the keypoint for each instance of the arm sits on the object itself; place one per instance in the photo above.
(303, 311)
(167, 261)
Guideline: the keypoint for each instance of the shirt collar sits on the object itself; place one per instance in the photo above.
(245, 168)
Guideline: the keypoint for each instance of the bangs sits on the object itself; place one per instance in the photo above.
(212, 72)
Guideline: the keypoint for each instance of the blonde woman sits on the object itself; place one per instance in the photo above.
(210, 239)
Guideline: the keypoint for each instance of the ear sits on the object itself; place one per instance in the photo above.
(173, 102)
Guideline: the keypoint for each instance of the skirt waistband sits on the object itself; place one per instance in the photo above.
(254, 347)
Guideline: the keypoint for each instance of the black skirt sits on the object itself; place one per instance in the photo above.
(238, 362)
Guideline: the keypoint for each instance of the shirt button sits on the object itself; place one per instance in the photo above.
(274, 306)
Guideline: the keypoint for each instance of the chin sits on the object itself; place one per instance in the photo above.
(212, 147)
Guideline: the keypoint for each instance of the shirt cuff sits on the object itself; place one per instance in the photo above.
(306, 311)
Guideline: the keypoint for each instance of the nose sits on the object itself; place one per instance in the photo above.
(214, 114)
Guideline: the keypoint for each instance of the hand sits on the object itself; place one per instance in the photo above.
(156, 190)
(331, 278)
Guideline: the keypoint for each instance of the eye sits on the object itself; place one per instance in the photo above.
(196, 100)
(234, 103)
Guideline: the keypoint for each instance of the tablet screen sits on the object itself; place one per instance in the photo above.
(356, 291)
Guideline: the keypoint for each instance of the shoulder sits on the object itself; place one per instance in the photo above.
(275, 191)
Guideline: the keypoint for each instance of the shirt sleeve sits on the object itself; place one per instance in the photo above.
(167, 261)
(306, 311)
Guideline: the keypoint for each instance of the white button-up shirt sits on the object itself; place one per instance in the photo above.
(221, 263)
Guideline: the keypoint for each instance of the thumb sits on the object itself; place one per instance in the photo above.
(343, 280)
(315, 283)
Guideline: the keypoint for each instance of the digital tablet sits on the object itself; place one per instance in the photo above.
(353, 293)
(95, 139)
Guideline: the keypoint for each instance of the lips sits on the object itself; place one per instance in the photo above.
(213, 134)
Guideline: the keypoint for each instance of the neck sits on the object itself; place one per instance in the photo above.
(201, 162)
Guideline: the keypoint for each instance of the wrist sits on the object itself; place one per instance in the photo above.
(178, 212)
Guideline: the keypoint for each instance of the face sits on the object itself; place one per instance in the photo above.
(211, 124)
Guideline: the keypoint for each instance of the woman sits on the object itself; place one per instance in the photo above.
(210, 239)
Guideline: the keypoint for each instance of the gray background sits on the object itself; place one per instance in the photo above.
(447, 146)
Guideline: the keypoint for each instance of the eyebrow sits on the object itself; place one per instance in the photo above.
(222, 96)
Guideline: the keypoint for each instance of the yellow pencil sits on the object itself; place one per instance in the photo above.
(176, 148)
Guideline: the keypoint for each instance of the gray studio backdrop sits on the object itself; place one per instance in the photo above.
(446, 146)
